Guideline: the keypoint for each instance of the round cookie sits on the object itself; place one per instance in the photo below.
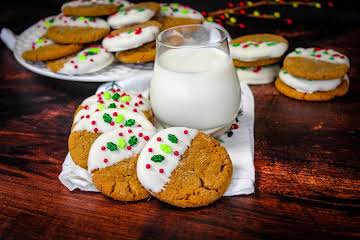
(112, 162)
(311, 90)
(84, 132)
(184, 167)
(258, 75)
(113, 99)
(92, 8)
(89, 60)
(43, 49)
(175, 14)
(67, 30)
(316, 63)
(135, 14)
(131, 37)
(145, 53)
(257, 50)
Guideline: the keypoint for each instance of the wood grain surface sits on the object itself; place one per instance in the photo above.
(306, 159)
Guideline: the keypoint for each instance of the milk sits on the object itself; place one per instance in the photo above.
(195, 87)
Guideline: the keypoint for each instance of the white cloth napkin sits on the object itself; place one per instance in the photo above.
(239, 144)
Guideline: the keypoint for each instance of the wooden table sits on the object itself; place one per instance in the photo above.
(306, 159)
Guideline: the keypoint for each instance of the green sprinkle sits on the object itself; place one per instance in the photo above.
(175, 10)
(125, 99)
(100, 106)
(121, 143)
(271, 43)
(175, 4)
(172, 138)
(129, 32)
(82, 57)
(165, 148)
(331, 58)
(112, 105)
(285, 72)
(129, 122)
(243, 68)
(111, 146)
(107, 118)
(39, 40)
(119, 118)
(235, 44)
(326, 53)
(94, 50)
(312, 54)
(133, 140)
(157, 158)
(185, 11)
(140, 9)
(297, 51)
(164, 8)
(92, 19)
(107, 95)
(116, 96)
(81, 18)
(111, 1)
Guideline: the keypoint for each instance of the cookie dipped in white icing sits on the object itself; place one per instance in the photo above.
(89, 60)
(320, 54)
(161, 156)
(110, 119)
(112, 99)
(117, 145)
(91, 22)
(309, 86)
(258, 75)
(133, 37)
(138, 13)
(85, 3)
(177, 10)
(250, 51)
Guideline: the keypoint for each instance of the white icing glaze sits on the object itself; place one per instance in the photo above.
(179, 11)
(40, 42)
(250, 51)
(128, 17)
(83, 62)
(93, 22)
(130, 40)
(128, 101)
(153, 176)
(258, 75)
(102, 154)
(118, 118)
(79, 3)
(308, 86)
(327, 55)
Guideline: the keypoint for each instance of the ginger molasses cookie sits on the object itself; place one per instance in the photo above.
(175, 14)
(43, 49)
(316, 63)
(145, 53)
(92, 8)
(112, 161)
(89, 60)
(257, 50)
(113, 99)
(258, 75)
(135, 14)
(84, 132)
(184, 167)
(131, 37)
(67, 30)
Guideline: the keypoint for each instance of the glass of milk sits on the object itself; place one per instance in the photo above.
(194, 82)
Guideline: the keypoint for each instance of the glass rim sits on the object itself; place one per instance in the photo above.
(224, 37)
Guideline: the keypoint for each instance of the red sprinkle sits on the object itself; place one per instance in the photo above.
(158, 139)
(128, 147)
(121, 134)
(76, 66)
(134, 110)
(87, 116)
(318, 55)
(127, 103)
(129, 131)
(139, 96)
(186, 131)
(112, 123)
(121, 126)
(146, 138)
(93, 122)
(91, 60)
(147, 166)
(141, 102)
(139, 125)
(115, 114)
(86, 107)
(103, 148)
(136, 104)
(256, 69)
(140, 134)
(82, 117)
(246, 45)
(150, 150)
(138, 30)
(96, 130)
(176, 153)
(161, 170)
(122, 106)
(97, 110)
(105, 160)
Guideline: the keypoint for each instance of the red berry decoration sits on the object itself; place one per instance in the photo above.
(161, 170)
(146, 138)
(106, 160)
(121, 134)
(128, 148)
(150, 150)
(129, 131)
(186, 131)
(96, 130)
(103, 148)
(140, 134)
(158, 139)
(93, 122)
(147, 166)
(138, 30)
(176, 153)
(115, 114)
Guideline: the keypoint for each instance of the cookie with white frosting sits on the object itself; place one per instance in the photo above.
(92, 8)
(43, 49)
(85, 131)
(134, 14)
(175, 14)
(112, 162)
(114, 99)
(66, 30)
(89, 60)
(258, 75)
(184, 167)
(131, 37)
(257, 50)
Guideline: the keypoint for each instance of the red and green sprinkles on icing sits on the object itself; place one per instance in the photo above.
(253, 44)
(250, 69)
(90, 52)
(319, 53)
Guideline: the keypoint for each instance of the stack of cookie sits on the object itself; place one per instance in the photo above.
(314, 74)
(112, 136)
(255, 57)
(81, 26)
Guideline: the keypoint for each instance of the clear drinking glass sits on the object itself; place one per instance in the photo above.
(194, 82)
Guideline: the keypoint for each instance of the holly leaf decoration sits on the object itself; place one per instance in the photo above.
(107, 118)
(172, 138)
(157, 158)
(130, 122)
(133, 140)
(111, 146)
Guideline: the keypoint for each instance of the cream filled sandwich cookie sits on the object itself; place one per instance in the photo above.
(112, 162)
(258, 75)
(92, 8)
(184, 167)
(131, 37)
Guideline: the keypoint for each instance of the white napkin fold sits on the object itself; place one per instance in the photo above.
(239, 144)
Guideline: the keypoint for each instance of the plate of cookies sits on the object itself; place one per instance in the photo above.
(99, 40)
